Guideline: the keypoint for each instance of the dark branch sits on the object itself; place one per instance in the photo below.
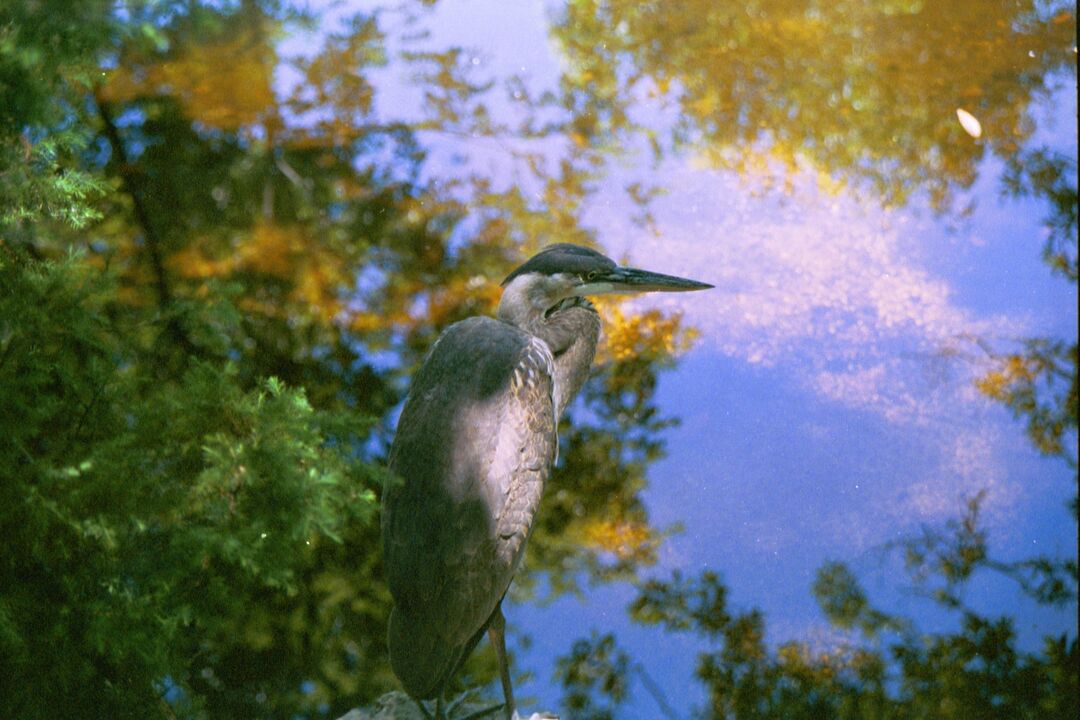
(153, 240)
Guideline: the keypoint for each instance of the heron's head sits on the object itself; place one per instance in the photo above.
(564, 271)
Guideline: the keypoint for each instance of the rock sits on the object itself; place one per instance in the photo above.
(391, 706)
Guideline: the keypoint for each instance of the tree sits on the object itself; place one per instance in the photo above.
(202, 280)
(215, 285)
(861, 93)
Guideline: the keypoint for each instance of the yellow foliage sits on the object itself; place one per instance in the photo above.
(817, 667)
(859, 90)
(625, 539)
(1012, 371)
(315, 277)
(271, 250)
(192, 263)
(993, 384)
(651, 334)
(365, 322)
(1020, 380)
(224, 85)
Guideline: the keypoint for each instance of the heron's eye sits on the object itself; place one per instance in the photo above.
(591, 275)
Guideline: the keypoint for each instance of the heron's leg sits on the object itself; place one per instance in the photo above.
(439, 714)
(497, 634)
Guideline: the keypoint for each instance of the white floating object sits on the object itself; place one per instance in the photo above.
(969, 122)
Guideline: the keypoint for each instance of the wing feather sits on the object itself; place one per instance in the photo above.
(474, 446)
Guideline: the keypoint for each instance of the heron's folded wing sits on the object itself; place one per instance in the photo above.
(474, 446)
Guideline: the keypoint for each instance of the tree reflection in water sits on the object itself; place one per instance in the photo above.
(295, 217)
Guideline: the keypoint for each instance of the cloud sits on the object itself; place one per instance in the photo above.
(829, 287)
(967, 464)
(822, 276)
(833, 292)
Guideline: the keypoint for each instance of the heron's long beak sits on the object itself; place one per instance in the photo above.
(632, 280)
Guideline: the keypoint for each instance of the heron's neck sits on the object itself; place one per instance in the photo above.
(523, 304)
(572, 334)
(571, 331)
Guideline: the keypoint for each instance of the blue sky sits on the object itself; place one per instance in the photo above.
(821, 415)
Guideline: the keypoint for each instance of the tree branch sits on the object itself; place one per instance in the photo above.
(153, 240)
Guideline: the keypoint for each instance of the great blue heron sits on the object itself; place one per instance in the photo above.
(475, 443)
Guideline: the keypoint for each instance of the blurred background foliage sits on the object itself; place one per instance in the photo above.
(213, 285)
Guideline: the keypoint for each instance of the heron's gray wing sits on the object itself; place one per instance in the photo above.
(474, 445)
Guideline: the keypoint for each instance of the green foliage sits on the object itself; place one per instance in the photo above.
(682, 604)
(38, 186)
(1046, 174)
(44, 47)
(976, 671)
(187, 536)
(1039, 384)
(843, 601)
(142, 515)
(48, 53)
(594, 668)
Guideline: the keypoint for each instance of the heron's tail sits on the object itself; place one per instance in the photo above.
(420, 659)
